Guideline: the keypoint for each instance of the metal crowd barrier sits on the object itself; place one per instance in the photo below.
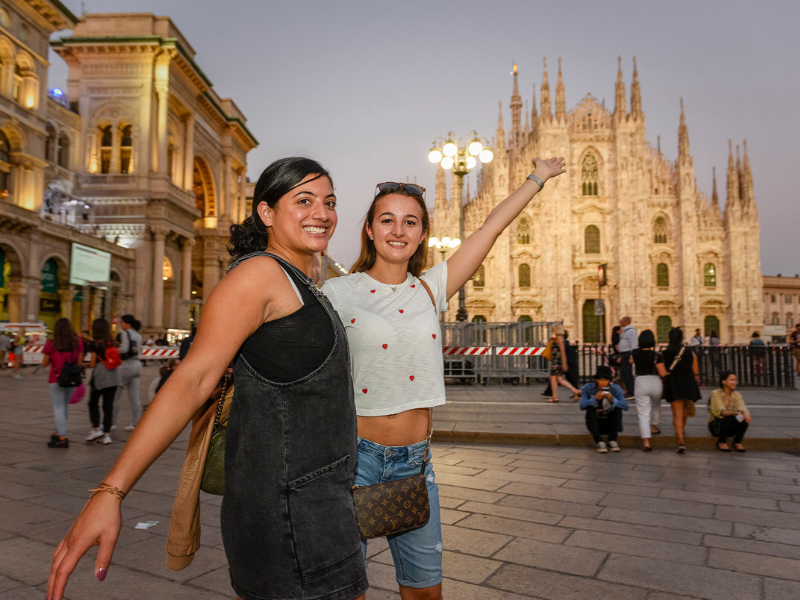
(506, 352)
(755, 366)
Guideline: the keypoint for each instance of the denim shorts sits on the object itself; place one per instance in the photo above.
(417, 554)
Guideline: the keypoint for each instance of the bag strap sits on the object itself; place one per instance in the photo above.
(226, 382)
(676, 359)
(430, 293)
(430, 410)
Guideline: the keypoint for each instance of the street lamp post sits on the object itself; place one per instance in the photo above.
(460, 160)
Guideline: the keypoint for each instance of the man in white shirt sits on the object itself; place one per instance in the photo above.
(628, 342)
(697, 339)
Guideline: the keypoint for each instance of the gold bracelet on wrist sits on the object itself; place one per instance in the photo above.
(104, 487)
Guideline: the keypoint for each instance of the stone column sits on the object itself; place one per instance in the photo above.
(243, 195)
(162, 132)
(188, 160)
(159, 235)
(15, 293)
(116, 155)
(225, 196)
(65, 293)
(186, 269)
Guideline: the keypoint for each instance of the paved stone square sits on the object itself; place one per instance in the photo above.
(555, 523)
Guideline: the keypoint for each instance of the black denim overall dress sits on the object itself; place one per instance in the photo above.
(287, 518)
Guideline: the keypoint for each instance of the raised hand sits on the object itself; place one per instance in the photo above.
(552, 167)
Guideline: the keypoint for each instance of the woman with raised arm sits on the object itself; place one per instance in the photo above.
(287, 518)
(396, 349)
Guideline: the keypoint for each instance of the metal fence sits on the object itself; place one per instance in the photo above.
(760, 366)
(485, 368)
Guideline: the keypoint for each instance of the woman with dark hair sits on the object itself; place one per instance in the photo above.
(390, 310)
(130, 371)
(727, 414)
(647, 386)
(104, 381)
(680, 384)
(287, 517)
(64, 348)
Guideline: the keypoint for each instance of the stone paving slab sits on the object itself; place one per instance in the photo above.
(552, 523)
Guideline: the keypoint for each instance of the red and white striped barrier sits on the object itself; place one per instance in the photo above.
(160, 353)
(496, 350)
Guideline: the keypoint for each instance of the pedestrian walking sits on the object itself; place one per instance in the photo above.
(697, 338)
(603, 402)
(5, 347)
(130, 371)
(627, 343)
(63, 355)
(648, 387)
(758, 354)
(713, 339)
(727, 414)
(680, 384)
(571, 350)
(559, 364)
(18, 351)
(794, 342)
(287, 517)
(103, 359)
(391, 310)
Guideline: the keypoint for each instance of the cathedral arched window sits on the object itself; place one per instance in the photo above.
(49, 142)
(660, 231)
(16, 88)
(591, 240)
(524, 276)
(62, 152)
(479, 279)
(711, 325)
(710, 275)
(663, 326)
(523, 231)
(106, 142)
(662, 275)
(125, 149)
(479, 319)
(589, 175)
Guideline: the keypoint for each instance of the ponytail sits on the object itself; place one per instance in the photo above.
(246, 237)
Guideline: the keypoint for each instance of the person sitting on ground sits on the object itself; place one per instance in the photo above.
(727, 414)
(603, 402)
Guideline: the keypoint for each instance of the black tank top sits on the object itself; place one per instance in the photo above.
(291, 347)
(646, 361)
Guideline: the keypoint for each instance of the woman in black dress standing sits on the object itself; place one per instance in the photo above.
(680, 384)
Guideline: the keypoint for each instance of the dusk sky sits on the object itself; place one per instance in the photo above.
(364, 87)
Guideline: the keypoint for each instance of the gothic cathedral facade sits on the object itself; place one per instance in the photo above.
(673, 257)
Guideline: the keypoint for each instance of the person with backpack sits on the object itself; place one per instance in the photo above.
(103, 357)
(130, 371)
(63, 355)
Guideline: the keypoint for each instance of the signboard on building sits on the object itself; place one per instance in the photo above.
(49, 277)
(88, 265)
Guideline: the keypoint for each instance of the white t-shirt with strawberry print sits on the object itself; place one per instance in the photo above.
(395, 340)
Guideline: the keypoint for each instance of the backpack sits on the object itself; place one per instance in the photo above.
(71, 374)
(112, 360)
(133, 348)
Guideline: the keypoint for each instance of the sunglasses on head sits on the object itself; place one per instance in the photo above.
(387, 187)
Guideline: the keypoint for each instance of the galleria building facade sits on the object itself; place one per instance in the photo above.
(673, 257)
(140, 159)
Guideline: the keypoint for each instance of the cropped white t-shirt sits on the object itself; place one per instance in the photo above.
(395, 340)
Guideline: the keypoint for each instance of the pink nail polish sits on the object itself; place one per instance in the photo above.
(101, 574)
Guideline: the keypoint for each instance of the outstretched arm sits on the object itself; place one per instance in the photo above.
(463, 264)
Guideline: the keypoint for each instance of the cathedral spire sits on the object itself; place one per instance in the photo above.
(733, 180)
(636, 94)
(534, 113)
(527, 129)
(620, 107)
(747, 177)
(714, 195)
(683, 135)
(546, 112)
(516, 111)
(561, 98)
(501, 132)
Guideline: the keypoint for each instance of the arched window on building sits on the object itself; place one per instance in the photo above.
(524, 276)
(525, 319)
(789, 321)
(710, 275)
(126, 149)
(62, 156)
(171, 160)
(479, 319)
(589, 175)
(479, 279)
(662, 275)
(594, 326)
(5, 164)
(16, 88)
(660, 231)
(591, 239)
(663, 325)
(523, 231)
(776, 319)
(49, 143)
(710, 323)
(106, 141)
